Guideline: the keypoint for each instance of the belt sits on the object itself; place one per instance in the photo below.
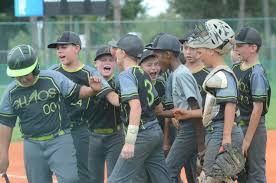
(243, 122)
(211, 129)
(106, 130)
(48, 137)
(144, 125)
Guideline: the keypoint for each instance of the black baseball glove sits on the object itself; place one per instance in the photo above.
(228, 163)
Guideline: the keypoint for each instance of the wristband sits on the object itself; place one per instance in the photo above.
(132, 132)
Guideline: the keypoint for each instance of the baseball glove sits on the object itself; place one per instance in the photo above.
(228, 163)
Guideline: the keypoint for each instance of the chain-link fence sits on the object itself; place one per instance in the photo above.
(94, 34)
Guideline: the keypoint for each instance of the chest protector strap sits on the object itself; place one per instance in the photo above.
(215, 79)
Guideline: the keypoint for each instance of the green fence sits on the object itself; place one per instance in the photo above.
(94, 34)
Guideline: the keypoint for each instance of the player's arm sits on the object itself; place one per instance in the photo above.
(5, 140)
(133, 128)
(184, 114)
(229, 117)
(166, 144)
(196, 114)
(163, 113)
(259, 92)
(95, 87)
(113, 98)
(253, 124)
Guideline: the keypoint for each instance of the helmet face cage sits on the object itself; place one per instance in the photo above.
(214, 34)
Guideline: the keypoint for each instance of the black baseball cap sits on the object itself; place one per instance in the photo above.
(166, 42)
(102, 51)
(132, 45)
(146, 54)
(185, 38)
(248, 35)
(67, 37)
(112, 43)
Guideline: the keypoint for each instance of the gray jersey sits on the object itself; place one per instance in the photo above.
(184, 86)
(40, 107)
(224, 95)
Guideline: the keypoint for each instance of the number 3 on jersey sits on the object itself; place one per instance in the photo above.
(150, 95)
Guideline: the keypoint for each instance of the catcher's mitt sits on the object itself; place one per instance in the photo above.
(199, 162)
(228, 163)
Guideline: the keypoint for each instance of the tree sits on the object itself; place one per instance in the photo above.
(130, 9)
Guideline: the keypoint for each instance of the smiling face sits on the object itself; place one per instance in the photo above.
(67, 53)
(151, 67)
(105, 65)
(162, 57)
(26, 80)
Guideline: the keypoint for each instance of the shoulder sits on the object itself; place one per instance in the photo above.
(126, 73)
(55, 67)
(220, 79)
(52, 75)
(161, 81)
(89, 68)
(235, 66)
(258, 69)
(183, 73)
(205, 70)
(11, 86)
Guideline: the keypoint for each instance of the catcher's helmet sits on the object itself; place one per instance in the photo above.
(213, 34)
(22, 60)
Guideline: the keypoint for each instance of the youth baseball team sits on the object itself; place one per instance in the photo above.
(174, 104)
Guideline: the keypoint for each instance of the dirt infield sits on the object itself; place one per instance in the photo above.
(17, 174)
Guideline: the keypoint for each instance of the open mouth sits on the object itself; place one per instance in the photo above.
(153, 74)
(107, 68)
(61, 57)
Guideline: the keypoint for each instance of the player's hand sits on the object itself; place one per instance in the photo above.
(181, 114)
(166, 149)
(245, 147)
(4, 163)
(95, 83)
(127, 151)
(175, 123)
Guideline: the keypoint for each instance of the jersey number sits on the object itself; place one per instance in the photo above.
(48, 108)
(150, 96)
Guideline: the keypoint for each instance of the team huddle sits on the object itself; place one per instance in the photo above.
(174, 104)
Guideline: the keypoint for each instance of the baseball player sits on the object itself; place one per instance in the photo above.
(143, 141)
(150, 64)
(107, 137)
(185, 94)
(212, 40)
(68, 46)
(199, 72)
(253, 102)
(37, 99)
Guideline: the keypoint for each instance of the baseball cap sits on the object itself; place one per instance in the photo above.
(132, 45)
(248, 35)
(185, 38)
(112, 43)
(146, 54)
(166, 42)
(104, 50)
(67, 37)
